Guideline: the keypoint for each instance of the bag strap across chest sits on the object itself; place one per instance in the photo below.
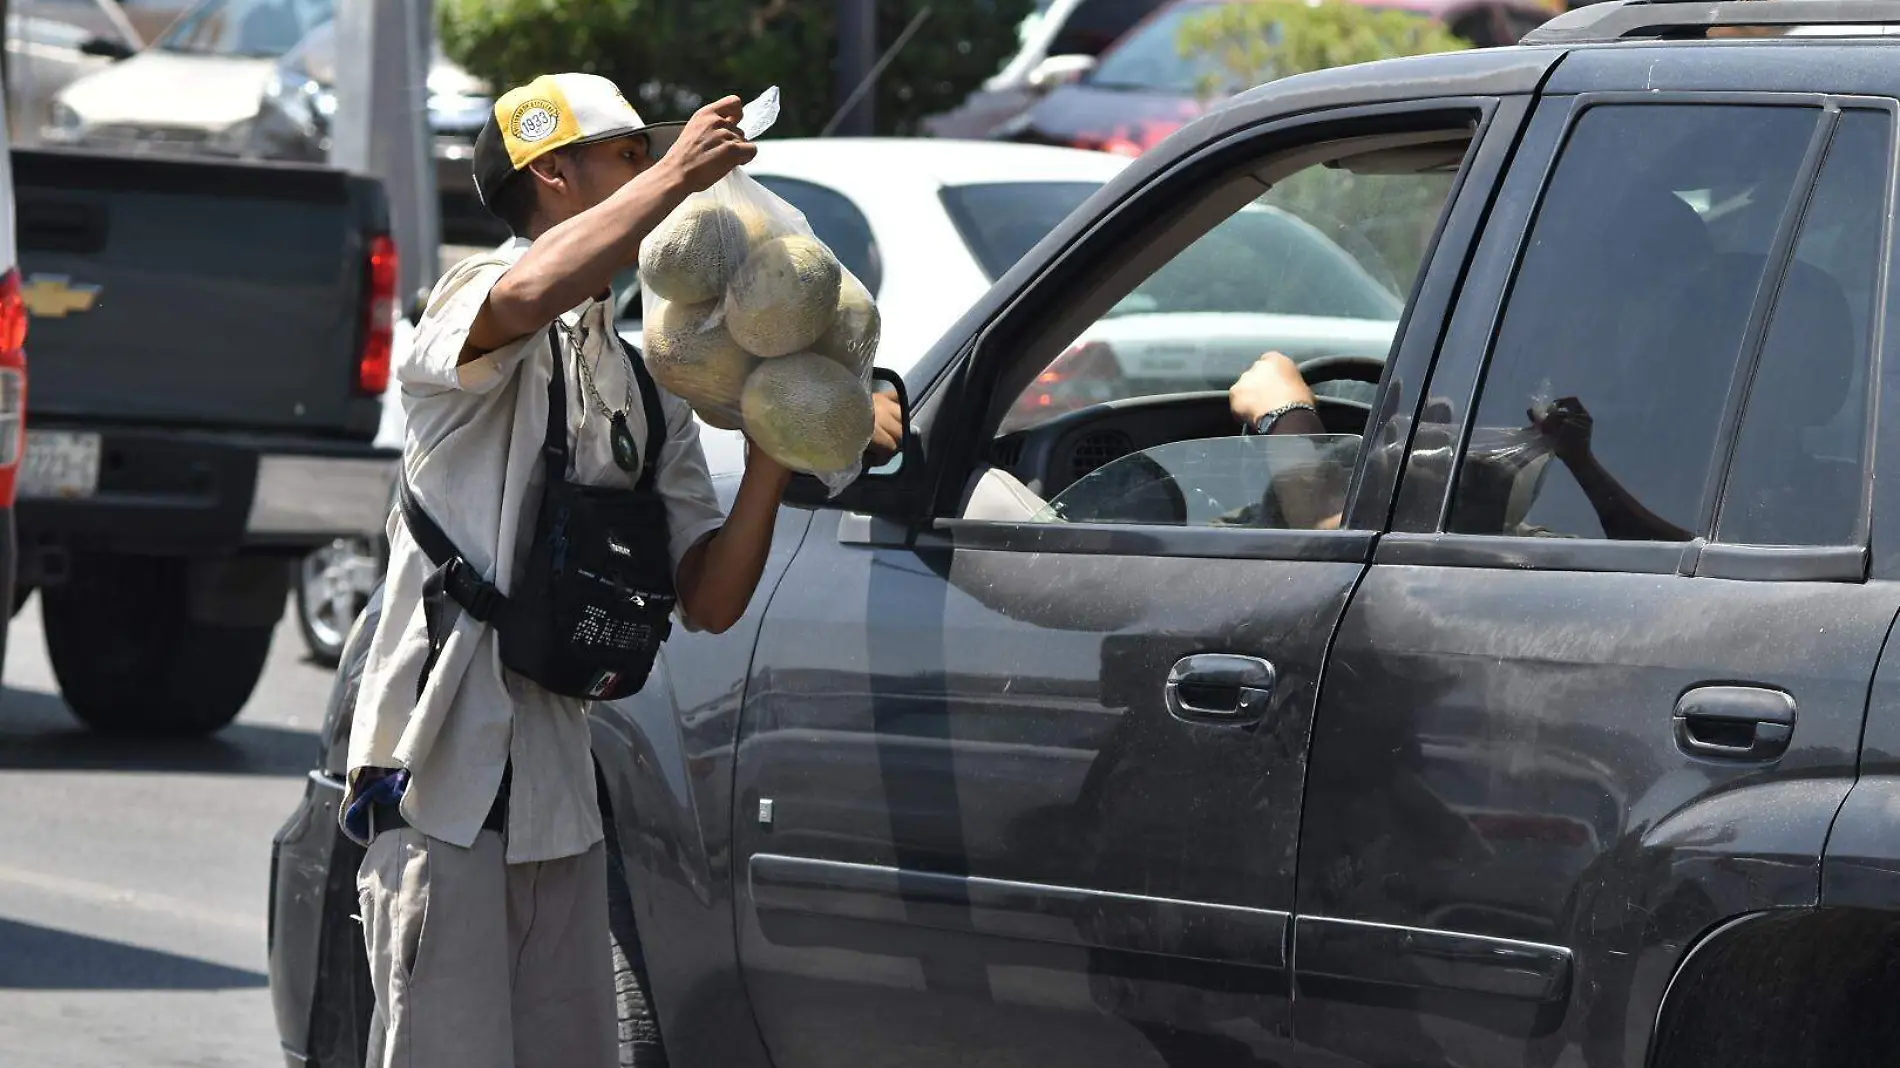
(554, 449)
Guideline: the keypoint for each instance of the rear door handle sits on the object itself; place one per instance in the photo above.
(1735, 722)
(1219, 688)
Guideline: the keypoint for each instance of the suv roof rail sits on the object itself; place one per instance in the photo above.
(1617, 20)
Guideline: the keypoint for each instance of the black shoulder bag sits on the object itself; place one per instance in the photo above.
(595, 597)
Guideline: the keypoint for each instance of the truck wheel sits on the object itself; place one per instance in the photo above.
(20, 595)
(333, 584)
(640, 1045)
(129, 657)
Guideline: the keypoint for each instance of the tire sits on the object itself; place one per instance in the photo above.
(640, 1043)
(130, 660)
(20, 596)
(333, 584)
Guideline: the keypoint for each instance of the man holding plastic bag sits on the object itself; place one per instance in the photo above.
(556, 514)
(753, 321)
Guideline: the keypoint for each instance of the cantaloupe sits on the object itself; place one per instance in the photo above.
(700, 364)
(808, 413)
(691, 256)
(783, 296)
(757, 224)
(855, 327)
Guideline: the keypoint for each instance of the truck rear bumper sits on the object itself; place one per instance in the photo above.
(171, 492)
(306, 498)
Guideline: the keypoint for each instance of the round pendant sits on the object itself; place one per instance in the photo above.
(626, 454)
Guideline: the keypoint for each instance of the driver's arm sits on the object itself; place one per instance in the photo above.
(1272, 383)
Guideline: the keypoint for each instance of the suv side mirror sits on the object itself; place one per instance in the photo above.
(107, 48)
(1060, 70)
(880, 488)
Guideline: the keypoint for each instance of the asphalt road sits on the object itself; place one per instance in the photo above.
(133, 875)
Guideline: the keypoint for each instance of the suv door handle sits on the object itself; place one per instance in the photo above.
(1219, 688)
(1735, 722)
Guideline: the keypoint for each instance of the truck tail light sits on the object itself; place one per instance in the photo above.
(1087, 373)
(12, 384)
(379, 318)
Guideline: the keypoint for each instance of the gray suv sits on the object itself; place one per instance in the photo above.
(1540, 711)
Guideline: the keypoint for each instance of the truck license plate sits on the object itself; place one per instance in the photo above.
(60, 463)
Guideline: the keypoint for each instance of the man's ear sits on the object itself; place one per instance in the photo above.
(551, 171)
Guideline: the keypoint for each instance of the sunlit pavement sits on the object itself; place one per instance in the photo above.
(133, 874)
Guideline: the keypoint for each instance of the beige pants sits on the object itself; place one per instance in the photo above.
(478, 963)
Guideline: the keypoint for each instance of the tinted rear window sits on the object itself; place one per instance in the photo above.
(1001, 221)
(1602, 407)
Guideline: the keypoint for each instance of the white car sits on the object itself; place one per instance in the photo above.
(195, 90)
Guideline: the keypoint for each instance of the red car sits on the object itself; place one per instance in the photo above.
(1143, 89)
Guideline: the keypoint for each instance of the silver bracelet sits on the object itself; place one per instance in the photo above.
(1264, 425)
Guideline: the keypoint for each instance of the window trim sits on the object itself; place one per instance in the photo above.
(978, 383)
(1139, 539)
(1748, 563)
(1700, 556)
(1508, 553)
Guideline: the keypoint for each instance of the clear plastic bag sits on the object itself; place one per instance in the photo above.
(752, 320)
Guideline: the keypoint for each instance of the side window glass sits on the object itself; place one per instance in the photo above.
(1603, 398)
(1798, 469)
(837, 222)
(1319, 268)
(1320, 265)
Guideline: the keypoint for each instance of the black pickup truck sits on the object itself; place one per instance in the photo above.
(209, 348)
(1540, 712)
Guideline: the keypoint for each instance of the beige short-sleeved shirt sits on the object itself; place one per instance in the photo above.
(472, 451)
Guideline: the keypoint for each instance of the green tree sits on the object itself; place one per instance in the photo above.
(1384, 221)
(1241, 45)
(669, 56)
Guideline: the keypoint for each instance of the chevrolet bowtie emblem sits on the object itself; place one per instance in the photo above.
(55, 296)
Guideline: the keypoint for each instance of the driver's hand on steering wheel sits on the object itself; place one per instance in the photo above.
(1273, 382)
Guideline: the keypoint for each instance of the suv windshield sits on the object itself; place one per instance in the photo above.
(1150, 57)
(261, 29)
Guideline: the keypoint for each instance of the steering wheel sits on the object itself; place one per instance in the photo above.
(1353, 403)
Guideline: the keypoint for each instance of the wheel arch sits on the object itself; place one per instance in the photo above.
(1784, 988)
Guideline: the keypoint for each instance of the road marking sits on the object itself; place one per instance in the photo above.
(143, 901)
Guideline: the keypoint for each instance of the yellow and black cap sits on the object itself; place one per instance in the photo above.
(555, 111)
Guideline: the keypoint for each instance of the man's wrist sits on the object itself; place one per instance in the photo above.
(1263, 423)
(669, 182)
(760, 466)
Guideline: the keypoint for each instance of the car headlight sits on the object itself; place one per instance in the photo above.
(66, 125)
(307, 105)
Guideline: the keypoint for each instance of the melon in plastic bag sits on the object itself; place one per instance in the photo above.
(808, 413)
(752, 320)
(700, 364)
(856, 327)
(783, 297)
